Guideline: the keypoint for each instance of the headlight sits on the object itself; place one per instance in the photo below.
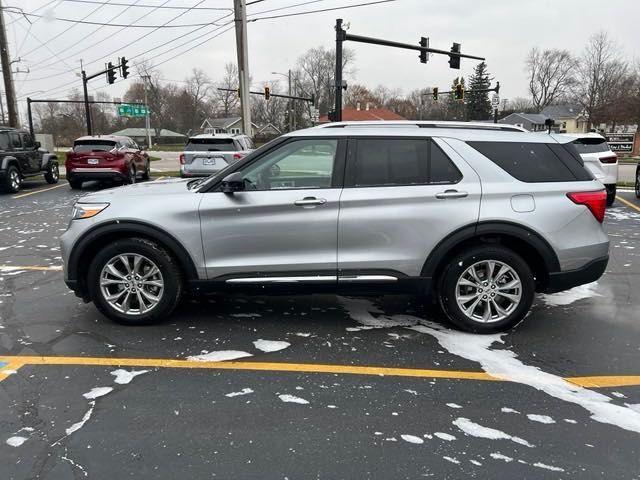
(87, 210)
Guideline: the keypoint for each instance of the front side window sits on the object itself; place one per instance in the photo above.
(15, 140)
(297, 164)
(27, 140)
(4, 141)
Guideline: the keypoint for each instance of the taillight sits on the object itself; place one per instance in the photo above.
(609, 159)
(594, 201)
(237, 156)
(182, 159)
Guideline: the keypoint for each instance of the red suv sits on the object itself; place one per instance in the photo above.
(106, 157)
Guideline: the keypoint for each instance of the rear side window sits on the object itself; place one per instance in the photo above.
(81, 146)
(533, 162)
(4, 141)
(591, 145)
(15, 140)
(398, 161)
(210, 145)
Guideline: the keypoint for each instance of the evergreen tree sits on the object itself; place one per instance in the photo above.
(478, 103)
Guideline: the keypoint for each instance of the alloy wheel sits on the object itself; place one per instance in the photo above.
(14, 179)
(55, 173)
(131, 284)
(488, 291)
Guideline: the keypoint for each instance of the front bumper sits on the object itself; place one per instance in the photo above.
(592, 271)
(96, 174)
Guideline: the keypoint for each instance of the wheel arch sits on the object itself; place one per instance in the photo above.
(91, 241)
(9, 160)
(530, 245)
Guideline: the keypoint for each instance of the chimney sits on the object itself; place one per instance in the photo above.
(358, 106)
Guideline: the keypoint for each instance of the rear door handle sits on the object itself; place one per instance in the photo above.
(451, 194)
(310, 202)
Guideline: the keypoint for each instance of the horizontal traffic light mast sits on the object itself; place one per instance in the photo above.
(267, 95)
(459, 91)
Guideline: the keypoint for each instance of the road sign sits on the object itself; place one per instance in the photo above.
(126, 110)
(495, 101)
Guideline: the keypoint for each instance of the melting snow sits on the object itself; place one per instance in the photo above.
(453, 405)
(292, 399)
(123, 376)
(452, 460)
(16, 441)
(548, 467)
(499, 456)
(244, 391)
(445, 436)
(475, 430)
(569, 296)
(540, 418)
(412, 439)
(77, 426)
(271, 345)
(97, 392)
(219, 356)
(508, 410)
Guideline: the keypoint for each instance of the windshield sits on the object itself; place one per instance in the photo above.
(591, 145)
(210, 145)
(93, 145)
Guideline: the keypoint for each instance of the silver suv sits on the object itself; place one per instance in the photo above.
(481, 217)
(207, 154)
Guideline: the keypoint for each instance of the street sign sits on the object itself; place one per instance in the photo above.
(126, 110)
(620, 142)
(495, 101)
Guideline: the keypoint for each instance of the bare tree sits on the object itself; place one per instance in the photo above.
(198, 89)
(228, 101)
(600, 71)
(551, 75)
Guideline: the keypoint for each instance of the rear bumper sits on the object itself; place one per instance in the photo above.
(96, 174)
(588, 273)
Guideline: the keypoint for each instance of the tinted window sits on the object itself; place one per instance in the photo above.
(15, 140)
(591, 145)
(297, 164)
(380, 162)
(210, 145)
(27, 140)
(528, 162)
(95, 145)
(441, 168)
(4, 141)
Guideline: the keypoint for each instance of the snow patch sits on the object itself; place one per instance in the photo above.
(361, 309)
(548, 467)
(453, 405)
(97, 392)
(123, 377)
(567, 297)
(219, 356)
(78, 425)
(292, 399)
(445, 436)
(508, 410)
(270, 345)
(16, 441)
(540, 418)
(412, 439)
(244, 391)
(475, 430)
(452, 460)
(499, 456)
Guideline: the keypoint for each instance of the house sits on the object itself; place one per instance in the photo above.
(164, 137)
(534, 122)
(360, 115)
(225, 125)
(569, 118)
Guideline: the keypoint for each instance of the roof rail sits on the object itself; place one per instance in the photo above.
(426, 124)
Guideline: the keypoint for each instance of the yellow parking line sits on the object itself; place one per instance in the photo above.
(39, 191)
(38, 268)
(9, 369)
(628, 203)
(600, 381)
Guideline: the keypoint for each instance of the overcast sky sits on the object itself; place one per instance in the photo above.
(502, 31)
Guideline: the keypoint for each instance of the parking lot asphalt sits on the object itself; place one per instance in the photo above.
(321, 386)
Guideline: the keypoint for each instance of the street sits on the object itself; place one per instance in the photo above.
(318, 386)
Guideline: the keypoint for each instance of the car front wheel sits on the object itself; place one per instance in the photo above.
(486, 289)
(53, 174)
(135, 282)
(12, 180)
(638, 183)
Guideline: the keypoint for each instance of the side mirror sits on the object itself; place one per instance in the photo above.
(37, 145)
(233, 182)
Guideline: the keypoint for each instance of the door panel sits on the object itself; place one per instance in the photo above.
(396, 227)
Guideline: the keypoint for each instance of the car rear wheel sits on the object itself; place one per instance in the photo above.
(486, 289)
(638, 183)
(12, 180)
(135, 282)
(131, 177)
(75, 184)
(611, 194)
(147, 171)
(53, 174)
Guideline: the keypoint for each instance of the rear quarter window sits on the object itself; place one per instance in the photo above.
(533, 162)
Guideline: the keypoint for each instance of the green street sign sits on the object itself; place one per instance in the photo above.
(126, 110)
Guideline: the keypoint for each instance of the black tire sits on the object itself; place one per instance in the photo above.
(465, 259)
(131, 177)
(637, 182)
(611, 194)
(171, 275)
(53, 174)
(12, 181)
(147, 171)
(75, 184)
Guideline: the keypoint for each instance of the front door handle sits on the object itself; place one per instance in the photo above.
(451, 194)
(310, 202)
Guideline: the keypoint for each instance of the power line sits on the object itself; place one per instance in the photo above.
(320, 10)
(168, 7)
(39, 8)
(288, 6)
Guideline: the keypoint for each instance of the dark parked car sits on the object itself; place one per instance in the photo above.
(106, 157)
(21, 158)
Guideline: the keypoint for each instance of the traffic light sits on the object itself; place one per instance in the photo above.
(111, 73)
(435, 94)
(424, 43)
(124, 69)
(267, 93)
(454, 60)
(459, 93)
(332, 116)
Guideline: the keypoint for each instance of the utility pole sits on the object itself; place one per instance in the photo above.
(240, 17)
(147, 119)
(87, 108)
(291, 111)
(6, 73)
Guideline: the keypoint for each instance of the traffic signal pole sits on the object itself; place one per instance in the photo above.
(422, 47)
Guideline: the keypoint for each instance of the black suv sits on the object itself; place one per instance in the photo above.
(21, 157)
